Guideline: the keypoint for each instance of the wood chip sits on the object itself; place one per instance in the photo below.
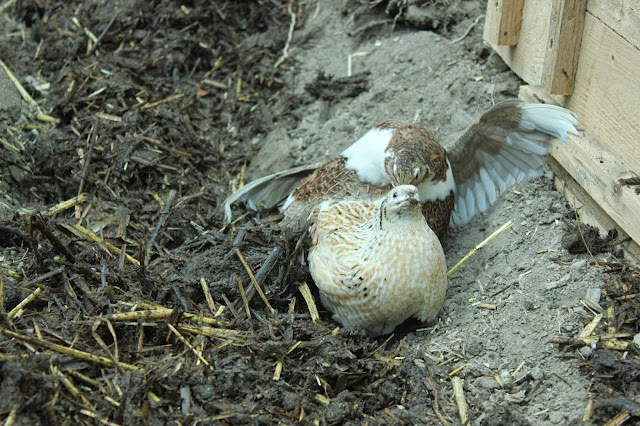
(277, 372)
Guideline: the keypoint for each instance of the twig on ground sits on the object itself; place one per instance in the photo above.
(160, 223)
(42, 277)
(292, 25)
(87, 161)
(466, 33)
(370, 25)
(102, 34)
(59, 246)
(20, 237)
(255, 282)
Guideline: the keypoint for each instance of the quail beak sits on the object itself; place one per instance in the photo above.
(411, 201)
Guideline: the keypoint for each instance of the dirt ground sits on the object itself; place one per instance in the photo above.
(145, 115)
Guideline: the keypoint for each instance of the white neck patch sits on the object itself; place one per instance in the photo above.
(430, 191)
(366, 156)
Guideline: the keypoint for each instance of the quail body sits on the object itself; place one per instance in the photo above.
(455, 181)
(377, 263)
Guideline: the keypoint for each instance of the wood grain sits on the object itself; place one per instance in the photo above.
(510, 21)
(563, 46)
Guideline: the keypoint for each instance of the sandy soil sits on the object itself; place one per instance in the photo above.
(160, 174)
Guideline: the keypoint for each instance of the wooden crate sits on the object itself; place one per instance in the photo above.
(585, 56)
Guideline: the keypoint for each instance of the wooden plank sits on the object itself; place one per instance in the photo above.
(563, 47)
(588, 210)
(622, 16)
(510, 21)
(606, 96)
(598, 172)
(527, 57)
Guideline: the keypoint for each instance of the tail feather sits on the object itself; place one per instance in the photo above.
(268, 191)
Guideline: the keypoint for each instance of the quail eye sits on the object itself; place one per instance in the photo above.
(395, 194)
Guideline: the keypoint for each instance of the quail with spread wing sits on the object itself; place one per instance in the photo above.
(377, 263)
(455, 182)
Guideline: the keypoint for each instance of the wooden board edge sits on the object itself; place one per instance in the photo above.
(597, 172)
(510, 22)
(588, 211)
(526, 57)
(563, 48)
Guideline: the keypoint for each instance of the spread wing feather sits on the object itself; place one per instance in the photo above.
(505, 146)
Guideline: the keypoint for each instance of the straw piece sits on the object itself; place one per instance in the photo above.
(458, 393)
(67, 204)
(25, 95)
(11, 418)
(162, 101)
(12, 313)
(162, 313)
(590, 328)
(243, 295)
(277, 372)
(110, 248)
(94, 415)
(188, 345)
(479, 246)
(231, 336)
(311, 304)
(588, 411)
(207, 295)
(322, 399)
(75, 353)
(619, 419)
(70, 387)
